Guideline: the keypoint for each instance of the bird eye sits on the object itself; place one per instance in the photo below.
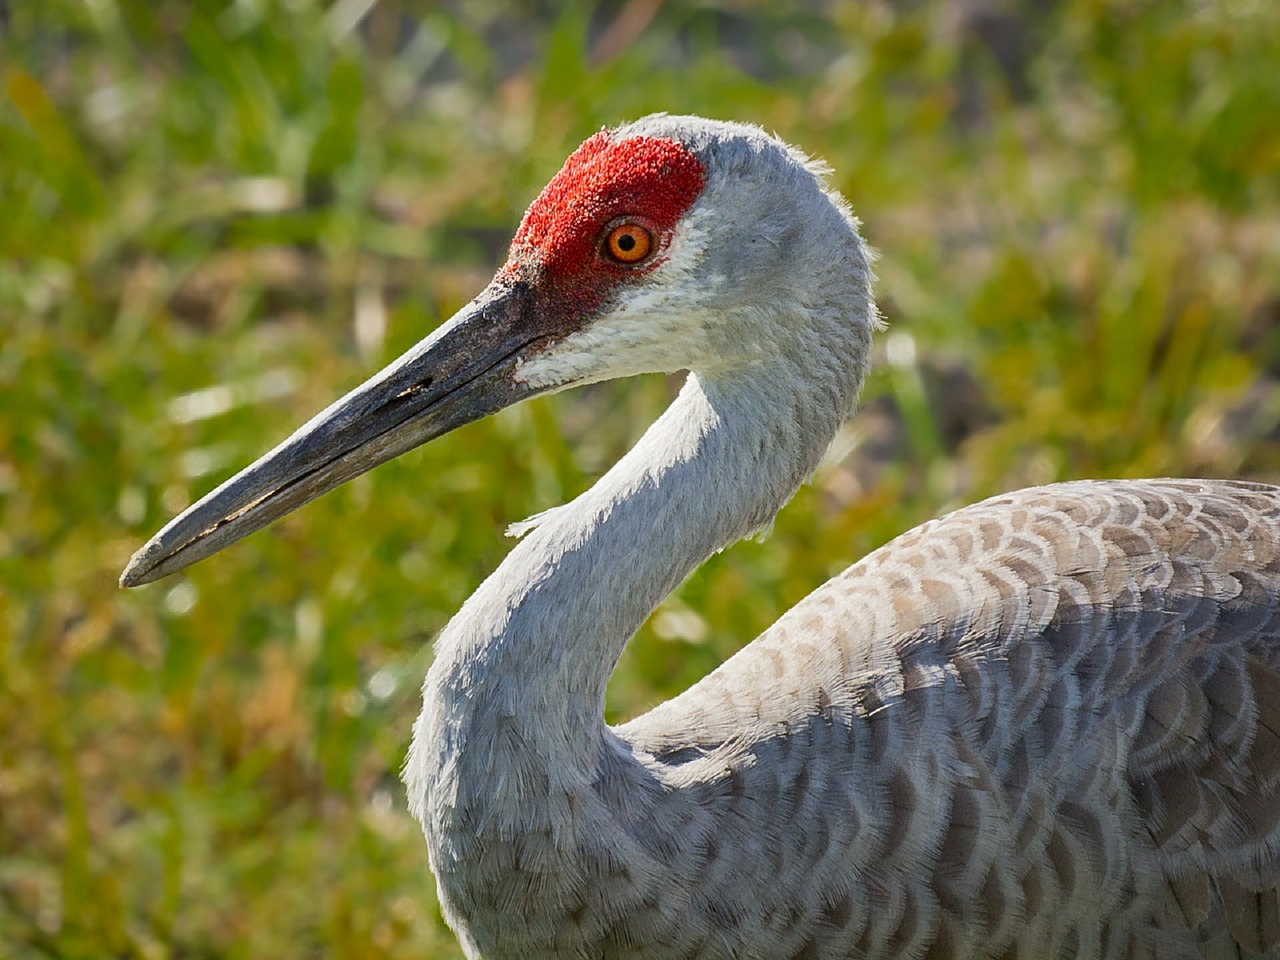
(629, 243)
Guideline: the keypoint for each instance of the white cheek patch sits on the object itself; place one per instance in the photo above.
(652, 328)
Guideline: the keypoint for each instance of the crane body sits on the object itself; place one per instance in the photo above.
(1045, 725)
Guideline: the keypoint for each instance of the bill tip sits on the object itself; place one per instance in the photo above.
(137, 572)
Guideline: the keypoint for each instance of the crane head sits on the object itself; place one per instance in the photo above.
(672, 243)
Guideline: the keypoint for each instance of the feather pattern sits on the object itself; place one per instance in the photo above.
(1038, 726)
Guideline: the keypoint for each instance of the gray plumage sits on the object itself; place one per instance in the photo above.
(1047, 725)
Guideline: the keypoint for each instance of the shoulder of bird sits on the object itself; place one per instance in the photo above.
(1056, 580)
(1149, 607)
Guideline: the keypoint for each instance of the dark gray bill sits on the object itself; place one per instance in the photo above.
(462, 372)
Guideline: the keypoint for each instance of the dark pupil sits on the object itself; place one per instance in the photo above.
(626, 243)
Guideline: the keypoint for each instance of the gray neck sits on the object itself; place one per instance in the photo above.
(513, 702)
(511, 744)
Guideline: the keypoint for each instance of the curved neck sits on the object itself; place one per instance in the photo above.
(559, 610)
(535, 645)
(511, 749)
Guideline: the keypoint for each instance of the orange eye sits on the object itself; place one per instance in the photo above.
(629, 243)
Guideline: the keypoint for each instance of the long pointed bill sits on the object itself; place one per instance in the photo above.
(462, 372)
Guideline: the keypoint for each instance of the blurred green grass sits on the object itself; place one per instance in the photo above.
(217, 216)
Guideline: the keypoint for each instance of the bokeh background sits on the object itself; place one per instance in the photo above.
(216, 216)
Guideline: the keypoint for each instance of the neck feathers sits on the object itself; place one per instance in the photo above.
(511, 742)
(532, 650)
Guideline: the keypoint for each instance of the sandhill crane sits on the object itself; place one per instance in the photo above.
(1047, 725)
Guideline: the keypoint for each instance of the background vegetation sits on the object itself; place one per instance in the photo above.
(215, 216)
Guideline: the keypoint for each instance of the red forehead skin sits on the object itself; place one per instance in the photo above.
(558, 247)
